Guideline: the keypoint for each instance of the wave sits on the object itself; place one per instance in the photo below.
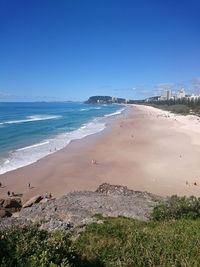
(32, 118)
(86, 109)
(30, 154)
(115, 113)
(36, 145)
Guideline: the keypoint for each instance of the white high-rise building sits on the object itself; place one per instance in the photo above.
(181, 93)
(168, 94)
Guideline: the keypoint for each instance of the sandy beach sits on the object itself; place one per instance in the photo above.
(150, 150)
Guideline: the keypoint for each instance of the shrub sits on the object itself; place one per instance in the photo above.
(116, 242)
(177, 208)
(30, 247)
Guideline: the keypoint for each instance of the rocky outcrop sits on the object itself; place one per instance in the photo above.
(78, 208)
(109, 189)
(33, 200)
(5, 213)
(11, 204)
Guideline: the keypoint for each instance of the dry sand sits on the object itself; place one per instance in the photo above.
(150, 150)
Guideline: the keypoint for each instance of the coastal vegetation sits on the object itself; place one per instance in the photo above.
(180, 106)
(105, 100)
(170, 238)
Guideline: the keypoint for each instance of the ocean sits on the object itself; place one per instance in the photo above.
(31, 131)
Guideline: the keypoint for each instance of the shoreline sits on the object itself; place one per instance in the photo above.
(12, 180)
(149, 150)
(52, 144)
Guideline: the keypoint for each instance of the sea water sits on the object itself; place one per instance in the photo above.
(30, 131)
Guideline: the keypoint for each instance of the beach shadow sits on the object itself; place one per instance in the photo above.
(3, 186)
(18, 195)
(32, 187)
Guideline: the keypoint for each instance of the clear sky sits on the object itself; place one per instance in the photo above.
(72, 49)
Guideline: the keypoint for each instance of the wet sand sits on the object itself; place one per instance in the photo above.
(150, 150)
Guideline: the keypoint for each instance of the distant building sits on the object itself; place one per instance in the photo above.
(114, 99)
(180, 94)
(192, 97)
(168, 94)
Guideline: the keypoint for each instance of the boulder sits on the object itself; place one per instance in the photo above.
(33, 200)
(5, 213)
(12, 204)
(1, 202)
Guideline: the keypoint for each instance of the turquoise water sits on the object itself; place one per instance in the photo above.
(30, 131)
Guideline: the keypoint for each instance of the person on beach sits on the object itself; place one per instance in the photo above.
(195, 183)
(187, 183)
(0, 184)
(50, 196)
(8, 193)
(46, 197)
(29, 186)
(13, 194)
(94, 161)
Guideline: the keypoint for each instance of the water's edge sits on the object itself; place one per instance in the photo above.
(31, 154)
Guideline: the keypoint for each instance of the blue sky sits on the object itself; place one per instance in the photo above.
(72, 49)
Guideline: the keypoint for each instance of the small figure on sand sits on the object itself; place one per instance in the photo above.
(13, 194)
(50, 196)
(187, 183)
(8, 193)
(29, 186)
(195, 183)
(46, 197)
(0, 184)
(94, 161)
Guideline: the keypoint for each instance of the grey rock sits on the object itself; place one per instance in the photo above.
(78, 208)
(33, 200)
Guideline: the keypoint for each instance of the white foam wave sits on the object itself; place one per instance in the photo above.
(32, 118)
(86, 109)
(115, 113)
(30, 154)
(36, 145)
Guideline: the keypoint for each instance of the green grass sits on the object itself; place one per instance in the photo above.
(116, 242)
(127, 242)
